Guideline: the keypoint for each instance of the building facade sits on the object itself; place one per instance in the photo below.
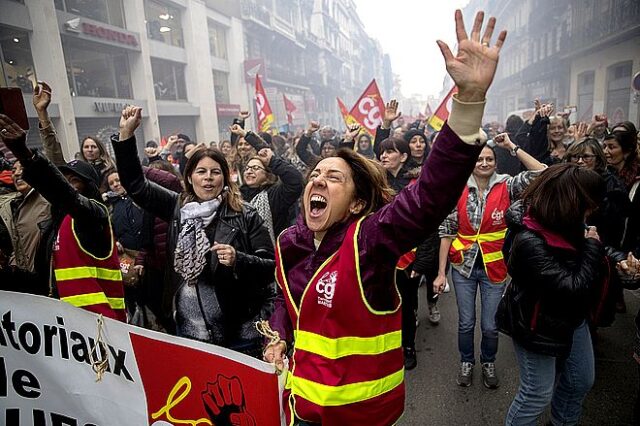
(190, 64)
(573, 53)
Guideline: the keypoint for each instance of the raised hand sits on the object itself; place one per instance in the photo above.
(14, 137)
(352, 132)
(244, 115)
(237, 130)
(265, 155)
(581, 131)
(130, 119)
(41, 97)
(546, 110)
(503, 141)
(225, 404)
(314, 126)
(599, 120)
(391, 113)
(474, 66)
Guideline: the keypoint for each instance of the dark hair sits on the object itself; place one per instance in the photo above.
(395, 144)
(232, 194)
(561, 196)
(580, 147)
(266, 137)
(513, 124)
(627, 138)
(370, 180)
(166, 166)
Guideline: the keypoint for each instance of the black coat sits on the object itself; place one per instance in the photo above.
(247, 289)
(551, 292)
(282, 195)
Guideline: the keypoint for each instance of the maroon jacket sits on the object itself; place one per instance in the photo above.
(157, 257)
(384, 236)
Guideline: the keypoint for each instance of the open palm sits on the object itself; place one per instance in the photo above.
(474, 66)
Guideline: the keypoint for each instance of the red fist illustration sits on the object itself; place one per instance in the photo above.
(224, 402)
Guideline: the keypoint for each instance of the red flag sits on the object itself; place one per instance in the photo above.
(428, 112)
(346, 117)
(289, 107)
(442, 112)
(369, 109)
(265, 114)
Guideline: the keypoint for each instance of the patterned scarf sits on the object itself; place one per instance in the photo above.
(261, 203)
(193, 245)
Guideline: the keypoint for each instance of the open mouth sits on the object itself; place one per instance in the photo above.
(317, 205)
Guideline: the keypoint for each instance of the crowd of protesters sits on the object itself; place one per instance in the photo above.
(328, 235)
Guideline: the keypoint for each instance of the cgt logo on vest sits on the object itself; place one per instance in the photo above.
(326, 287)
(497, 216)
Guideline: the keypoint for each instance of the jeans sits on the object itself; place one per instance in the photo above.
(490, 294)
(539, 386)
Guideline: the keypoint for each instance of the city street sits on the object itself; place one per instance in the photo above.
(433, 397)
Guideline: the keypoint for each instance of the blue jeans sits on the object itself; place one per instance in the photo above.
(575, 376)
(490, 294)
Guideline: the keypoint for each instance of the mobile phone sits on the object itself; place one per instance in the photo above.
(12, 105)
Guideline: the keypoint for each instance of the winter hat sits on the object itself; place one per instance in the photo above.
(414, 132)
(83, 170)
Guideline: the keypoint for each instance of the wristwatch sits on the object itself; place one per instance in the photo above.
(514, 151)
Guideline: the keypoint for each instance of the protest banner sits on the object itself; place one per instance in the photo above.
(50, 352)
(369, 108)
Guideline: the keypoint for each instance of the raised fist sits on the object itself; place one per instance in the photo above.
(224, 402)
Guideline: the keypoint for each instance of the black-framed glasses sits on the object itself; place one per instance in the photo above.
(255, 168)
(584, 157)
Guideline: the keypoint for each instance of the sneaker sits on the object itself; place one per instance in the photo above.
(489, 377)
(410, 360)
(434, 314)
(465, 374)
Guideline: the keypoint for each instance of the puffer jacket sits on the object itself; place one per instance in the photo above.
(552, 288)
(245, 291)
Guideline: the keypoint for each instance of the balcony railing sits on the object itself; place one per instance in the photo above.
(592, 26)
(251, 9)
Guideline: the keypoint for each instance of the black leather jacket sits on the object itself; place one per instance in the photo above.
(551, 292)
(247, 290)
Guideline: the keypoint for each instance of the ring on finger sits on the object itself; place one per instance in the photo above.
(486, 44)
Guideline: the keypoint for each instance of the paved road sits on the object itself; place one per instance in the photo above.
(433, 398)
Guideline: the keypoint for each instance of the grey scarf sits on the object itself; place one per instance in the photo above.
(193, 245)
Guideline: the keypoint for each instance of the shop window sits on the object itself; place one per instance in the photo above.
(221, 87)
(108, 11)
(168, 80)
(217, 40)
(16, 62)
(97, 74)
(163, 23)
(618, 91)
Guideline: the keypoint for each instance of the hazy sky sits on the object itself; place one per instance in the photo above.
(407, 30)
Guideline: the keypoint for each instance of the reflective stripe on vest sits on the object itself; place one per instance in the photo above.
(490, 241)
(346, 346)
(82, 300)
(332, 396)
(88, 272)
